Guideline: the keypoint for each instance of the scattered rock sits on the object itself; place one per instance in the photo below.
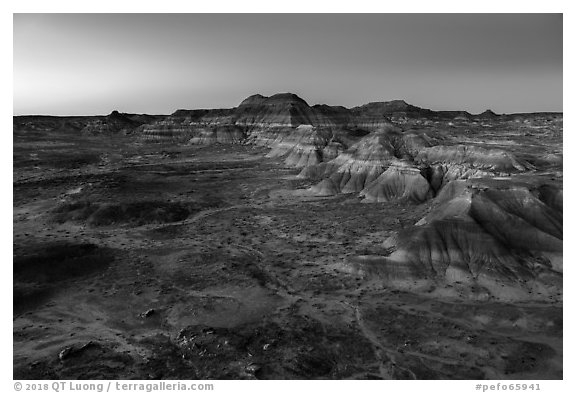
(148, 313)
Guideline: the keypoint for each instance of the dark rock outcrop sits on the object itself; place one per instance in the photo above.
(113, 123)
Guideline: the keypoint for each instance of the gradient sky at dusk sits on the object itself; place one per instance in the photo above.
(71, 64)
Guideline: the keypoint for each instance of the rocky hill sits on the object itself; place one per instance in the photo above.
(486, 238)
(113, 123)
(492, 183)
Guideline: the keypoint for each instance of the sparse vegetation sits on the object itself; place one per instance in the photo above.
(251, 277)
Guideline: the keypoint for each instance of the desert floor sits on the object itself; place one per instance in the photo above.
(152, 261)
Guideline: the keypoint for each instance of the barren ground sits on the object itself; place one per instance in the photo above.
(162, 261)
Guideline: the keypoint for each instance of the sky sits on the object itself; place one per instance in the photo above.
(87, 64)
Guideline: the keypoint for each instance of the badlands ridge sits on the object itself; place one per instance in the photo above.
(493, 227)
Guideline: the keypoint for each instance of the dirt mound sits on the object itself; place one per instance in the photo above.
(125, 213)
(496, 238)
(302, 147)
(400, 181)
(362, 163)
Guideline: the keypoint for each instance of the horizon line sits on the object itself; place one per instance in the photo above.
(258, 94)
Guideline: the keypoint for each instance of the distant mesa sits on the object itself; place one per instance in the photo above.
(253, 100)
(493, 228)
(113, 123)
(488, 114)
(389, 107)
(265, 121)
(284, 99)
(276, 99)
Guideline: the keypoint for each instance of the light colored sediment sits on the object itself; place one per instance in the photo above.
(400, 181)
(501, 237)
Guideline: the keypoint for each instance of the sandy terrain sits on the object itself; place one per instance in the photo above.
(151, 261)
